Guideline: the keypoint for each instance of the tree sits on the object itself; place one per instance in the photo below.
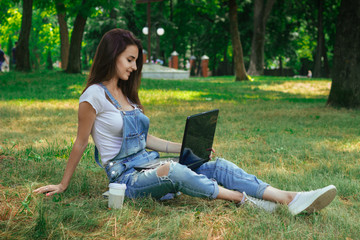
(279, 49)
(64, 33)
(317, 21)
(74, 62)
(49, 63)
(240, 72)
(345, 88)
(22, 49)
(9, 53)
(321, 55)
(84, 11)
(102, 21)
(261, 14)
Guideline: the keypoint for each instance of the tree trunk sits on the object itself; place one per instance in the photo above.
(10, 53)
(320, 41)
(321, 68)
(64, 34)
(35, 58)
(74, 63)
(172, 20)
(49, 63)
(261, 15)
(345, 89)
(326, 69)
(240, 72)
(22, 49)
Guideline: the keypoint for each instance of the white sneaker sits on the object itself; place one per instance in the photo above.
(259, 203)
(106, 195)
(313, 200)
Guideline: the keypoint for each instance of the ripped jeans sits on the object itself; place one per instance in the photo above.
(200, 183)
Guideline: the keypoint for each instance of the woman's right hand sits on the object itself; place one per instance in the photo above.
(50, 190)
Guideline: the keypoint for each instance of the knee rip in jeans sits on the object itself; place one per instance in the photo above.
(163, 171)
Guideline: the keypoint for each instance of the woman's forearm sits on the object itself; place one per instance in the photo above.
(162, 145)
(74, 159)
(86, 117)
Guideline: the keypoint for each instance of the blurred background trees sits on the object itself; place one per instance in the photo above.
(288, 37)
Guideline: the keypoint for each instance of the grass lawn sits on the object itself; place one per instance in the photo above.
(276, 128)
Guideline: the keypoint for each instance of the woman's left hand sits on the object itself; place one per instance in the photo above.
(50, 190)
(212, 153)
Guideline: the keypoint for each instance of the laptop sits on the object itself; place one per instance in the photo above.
(196, 144)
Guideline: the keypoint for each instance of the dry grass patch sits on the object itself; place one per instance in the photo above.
(306, 88)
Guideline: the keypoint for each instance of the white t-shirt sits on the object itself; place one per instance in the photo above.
(108, 125)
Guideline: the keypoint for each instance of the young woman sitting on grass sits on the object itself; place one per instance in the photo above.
(110, 110)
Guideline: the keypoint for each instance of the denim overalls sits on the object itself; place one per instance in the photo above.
(203, 182)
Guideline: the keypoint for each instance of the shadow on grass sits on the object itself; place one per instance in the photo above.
(229, 90)
(62, 86)
(41, 86)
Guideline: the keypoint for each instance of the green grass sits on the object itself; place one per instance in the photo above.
(276, 128)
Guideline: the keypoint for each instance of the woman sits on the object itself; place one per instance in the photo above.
(110, 110)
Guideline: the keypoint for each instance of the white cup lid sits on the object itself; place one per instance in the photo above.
(117, 186)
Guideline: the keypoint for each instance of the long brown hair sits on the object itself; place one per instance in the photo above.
(112, 44)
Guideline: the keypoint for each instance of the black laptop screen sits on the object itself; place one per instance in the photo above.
(198, 138)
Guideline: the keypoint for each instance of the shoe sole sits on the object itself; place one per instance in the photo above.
(324, 198)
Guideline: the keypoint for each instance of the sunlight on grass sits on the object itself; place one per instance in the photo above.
(51, 104)
(222, 79)
(343, 146)
(169, 96)
(35, 123)
(76, 89)
(305, 88)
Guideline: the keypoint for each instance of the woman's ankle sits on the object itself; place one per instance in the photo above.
(291, 197)
(279, 196)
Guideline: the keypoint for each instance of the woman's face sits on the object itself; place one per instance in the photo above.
(126, 62)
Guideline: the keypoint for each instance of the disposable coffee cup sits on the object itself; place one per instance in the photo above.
(116, 195)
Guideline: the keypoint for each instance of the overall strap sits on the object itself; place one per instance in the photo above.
(112, 99)
(96, 154)
(117, 105)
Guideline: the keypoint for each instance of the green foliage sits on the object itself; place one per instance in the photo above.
(292, 32)
(12, 27)
(103, 21)
(44, 37)
(40, 231)
(4, 13)
(191, 28)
